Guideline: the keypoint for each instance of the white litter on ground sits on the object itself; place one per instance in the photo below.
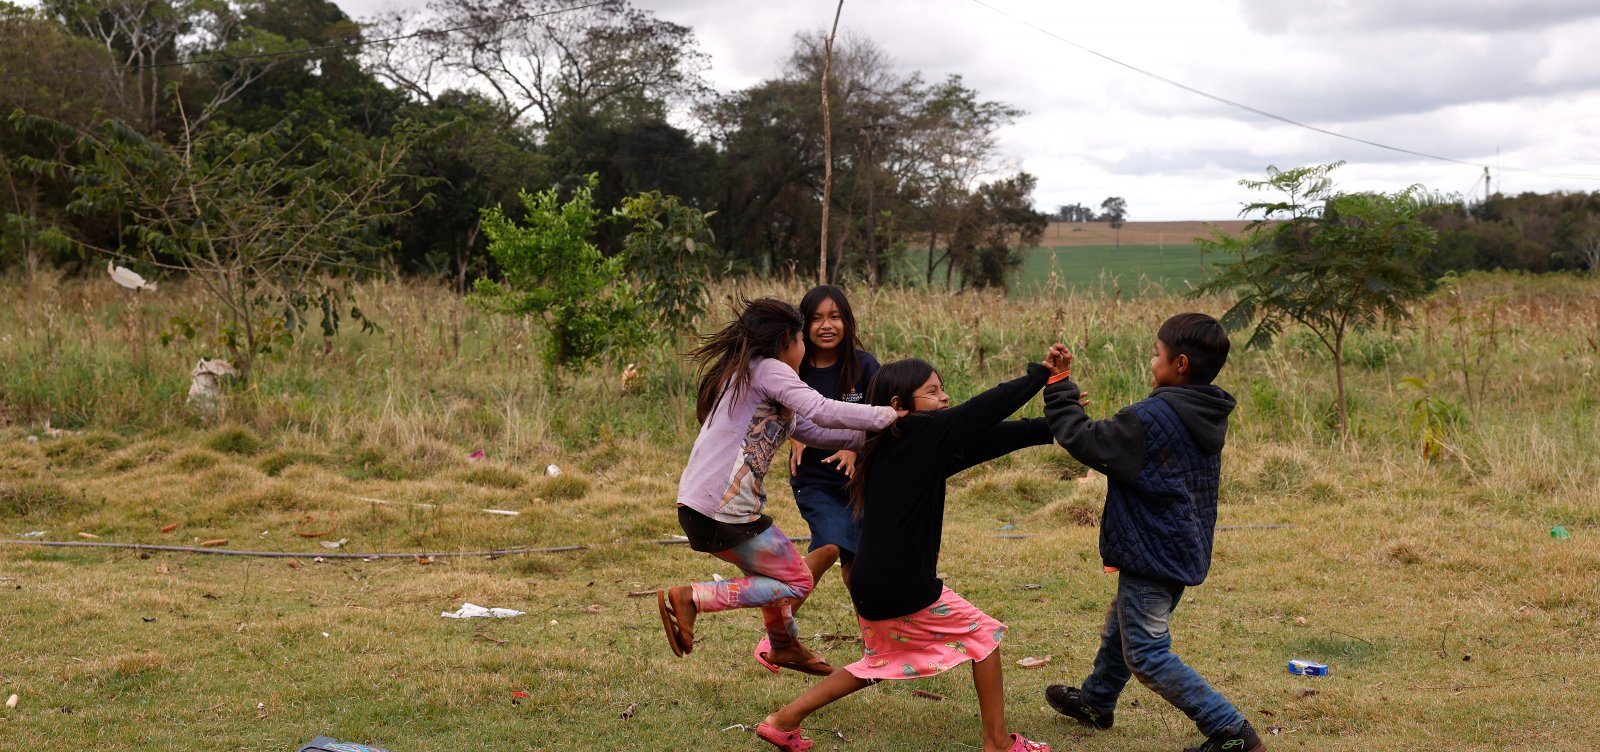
(474, 611)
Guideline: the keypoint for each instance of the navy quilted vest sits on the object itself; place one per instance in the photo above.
(1160, 525)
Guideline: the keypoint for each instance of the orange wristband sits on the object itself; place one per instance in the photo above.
(1058, 377)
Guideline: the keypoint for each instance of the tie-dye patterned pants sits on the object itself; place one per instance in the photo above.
(776, 578)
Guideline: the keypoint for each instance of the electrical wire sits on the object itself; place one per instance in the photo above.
(1264, 113)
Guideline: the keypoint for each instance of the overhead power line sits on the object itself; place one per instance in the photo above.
(360, 42)
(1264, 113)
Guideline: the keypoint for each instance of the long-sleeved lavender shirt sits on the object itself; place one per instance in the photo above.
(725, 477)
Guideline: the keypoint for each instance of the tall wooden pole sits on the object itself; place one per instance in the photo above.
(827, 147)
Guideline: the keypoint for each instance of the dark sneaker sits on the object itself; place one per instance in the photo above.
(1068, 701)
(1242, 740)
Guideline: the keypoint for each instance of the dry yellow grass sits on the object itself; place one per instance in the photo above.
(1451, 618)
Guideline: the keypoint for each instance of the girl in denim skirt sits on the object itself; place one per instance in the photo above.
(838, 368)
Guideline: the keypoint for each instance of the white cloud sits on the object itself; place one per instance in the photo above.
(1505, 83)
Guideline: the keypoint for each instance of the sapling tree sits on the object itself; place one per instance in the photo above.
(552, 271)
(1335, 263)
(668, 252)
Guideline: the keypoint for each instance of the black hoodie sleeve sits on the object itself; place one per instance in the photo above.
(1003, 439)
(1114, 446)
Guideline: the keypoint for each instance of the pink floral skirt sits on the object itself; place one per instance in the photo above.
(931, 641)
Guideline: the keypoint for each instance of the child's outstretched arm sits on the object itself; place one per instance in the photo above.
(960, 424)
(811, 434)
(1003, 439)
(774, 380)
(1114, 446)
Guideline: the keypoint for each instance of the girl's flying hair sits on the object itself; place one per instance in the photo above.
(900, 379)
(849, 367)
(761, 330)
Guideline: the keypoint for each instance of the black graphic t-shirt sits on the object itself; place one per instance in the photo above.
(826, 381)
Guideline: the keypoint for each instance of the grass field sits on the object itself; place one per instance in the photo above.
(1115, 272)
(1128, 271)
(1451, 617)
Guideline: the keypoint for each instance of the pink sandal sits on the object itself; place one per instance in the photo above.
(762, 648)
(790, 741)
(1019, 744)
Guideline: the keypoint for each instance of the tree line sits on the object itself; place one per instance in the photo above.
(109, 102)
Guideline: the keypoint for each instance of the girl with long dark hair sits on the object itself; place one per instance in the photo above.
(750, 400)
(912, 626)
(838, 368)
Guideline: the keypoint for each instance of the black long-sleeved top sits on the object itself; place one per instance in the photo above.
(896, 569)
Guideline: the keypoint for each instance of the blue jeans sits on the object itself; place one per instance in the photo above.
(1136, 642)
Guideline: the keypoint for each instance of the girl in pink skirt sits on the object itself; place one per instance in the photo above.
(912, 626)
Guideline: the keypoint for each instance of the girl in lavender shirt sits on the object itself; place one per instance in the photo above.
(750, 401)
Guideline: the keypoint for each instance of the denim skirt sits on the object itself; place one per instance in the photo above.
(827, 511)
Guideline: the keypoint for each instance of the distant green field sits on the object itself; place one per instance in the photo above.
(1132, 269)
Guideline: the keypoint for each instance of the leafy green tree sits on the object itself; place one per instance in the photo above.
(668, 251)
(540, 60)
(1116, 212)
(998, 223)
(48, 73)
(553, 272)
(247, 216)
(1335, 263)
(478, 162)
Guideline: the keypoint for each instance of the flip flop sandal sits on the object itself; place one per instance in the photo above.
(1019, 744)
(818, 666)
(669, 623)
(762, 648)
(788, 741)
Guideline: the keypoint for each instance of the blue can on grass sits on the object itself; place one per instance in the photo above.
(1304, 667)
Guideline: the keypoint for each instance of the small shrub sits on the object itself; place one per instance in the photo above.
(1373, 353)
(233, 440)
(82, 450)
(373, 462)
(137, 456)
(195, 460)
(1404, 553)
(1283, 475)
(561, 488)
(41, 498)
(275, 463)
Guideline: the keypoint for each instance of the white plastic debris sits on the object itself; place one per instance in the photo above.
(334, 544)
(552, 470)
(503, 512)
(474, 611)
(11, 701)
(128, 278)
(35, 534)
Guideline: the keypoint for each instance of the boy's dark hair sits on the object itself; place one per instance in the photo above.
(1201, 338)
(764, 326)
(900, 379)
(849, 368)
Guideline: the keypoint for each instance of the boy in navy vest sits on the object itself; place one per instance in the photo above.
(1162, 459)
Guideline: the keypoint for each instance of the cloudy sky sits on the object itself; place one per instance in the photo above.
(1513, 84)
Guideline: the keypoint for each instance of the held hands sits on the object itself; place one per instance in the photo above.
(845, 461)
(1059, 359)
